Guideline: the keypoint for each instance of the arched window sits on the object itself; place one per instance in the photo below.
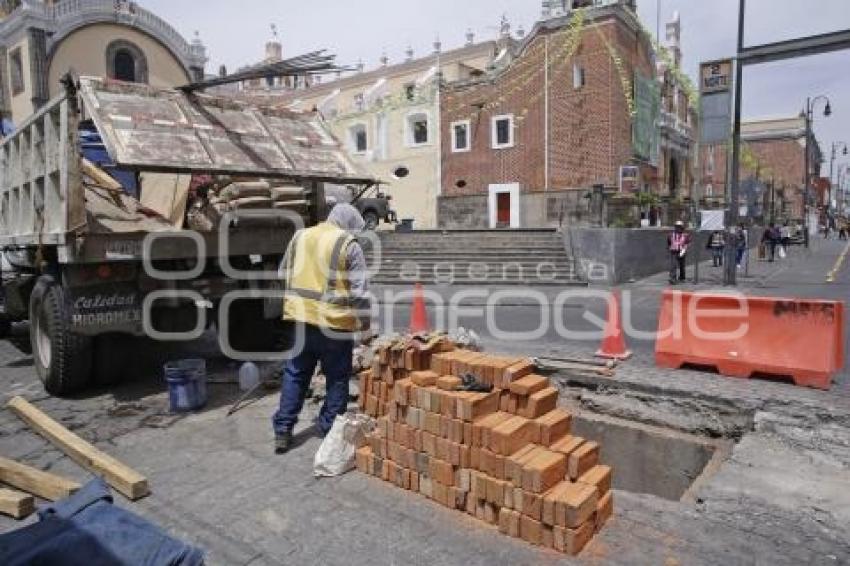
(125, 66)
(126, 62)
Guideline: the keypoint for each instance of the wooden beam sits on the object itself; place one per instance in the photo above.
(16, 504)
(32, 480)
(121, 477)
(99, 176)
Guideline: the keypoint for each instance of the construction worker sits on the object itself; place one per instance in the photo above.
(325, 274)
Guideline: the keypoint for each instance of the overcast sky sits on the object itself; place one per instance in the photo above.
(235, 33)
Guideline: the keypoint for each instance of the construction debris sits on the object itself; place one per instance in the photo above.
(505, 456)
(16, 504)
(32, 480)
(121, 477)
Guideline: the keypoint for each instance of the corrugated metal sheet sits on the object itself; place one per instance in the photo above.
(167, 130)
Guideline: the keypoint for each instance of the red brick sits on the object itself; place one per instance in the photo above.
(529, 384)
(516, 371)
(512, 435)
(530, 530)
(545, 471)
(553, 426)
(532, 505)
(572, 541)
(604, 510)
(540, 403)
(575, 505)
(583, 459)
(599, 477)
(448, 382)
(482, 427)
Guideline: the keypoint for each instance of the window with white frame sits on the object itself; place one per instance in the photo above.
(358, 138)
(359, 102)
(417, 129)
(502, 131)
(461, 133)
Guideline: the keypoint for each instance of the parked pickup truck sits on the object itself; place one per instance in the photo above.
(218, 188)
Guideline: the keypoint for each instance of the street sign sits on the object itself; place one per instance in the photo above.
(711, 220)
(716, 76)
(716, 102)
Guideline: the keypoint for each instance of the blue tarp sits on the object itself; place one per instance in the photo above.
(86, 529)
(94, 150)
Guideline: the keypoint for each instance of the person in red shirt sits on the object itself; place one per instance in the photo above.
(677, 246)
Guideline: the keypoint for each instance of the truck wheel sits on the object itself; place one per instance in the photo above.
(371, 218)
(63, 360)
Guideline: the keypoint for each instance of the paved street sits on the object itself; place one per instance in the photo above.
(802, 274)
(778, 495)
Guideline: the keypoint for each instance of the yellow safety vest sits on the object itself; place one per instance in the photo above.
(317, 285)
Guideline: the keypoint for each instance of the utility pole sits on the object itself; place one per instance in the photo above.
(835, 145)
(806, 177)
(810, 115)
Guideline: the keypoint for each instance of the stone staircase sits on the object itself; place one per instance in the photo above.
(474, 257)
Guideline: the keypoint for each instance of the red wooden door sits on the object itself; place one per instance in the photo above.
(503, 209)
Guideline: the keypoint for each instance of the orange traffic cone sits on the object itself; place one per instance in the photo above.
(614, 342)
(418, 316)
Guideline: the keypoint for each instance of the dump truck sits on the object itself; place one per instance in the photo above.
(132, 211)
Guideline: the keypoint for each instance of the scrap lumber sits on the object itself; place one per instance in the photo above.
(121, 477)
(37, 482)
(16, 504)
(99, 176)
(505, 457)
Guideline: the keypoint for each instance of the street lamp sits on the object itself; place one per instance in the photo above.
(827, 111)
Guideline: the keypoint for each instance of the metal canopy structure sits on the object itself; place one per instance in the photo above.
(166, 130)
(770, 53)
(793, 48)
(313, 63)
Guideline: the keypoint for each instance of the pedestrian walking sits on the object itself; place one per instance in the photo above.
(784, 240)
(325, 274)
(770, 239)
(677, 247)
(741, 244)
(717, 246)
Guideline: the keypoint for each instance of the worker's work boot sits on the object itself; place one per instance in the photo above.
(282, 443)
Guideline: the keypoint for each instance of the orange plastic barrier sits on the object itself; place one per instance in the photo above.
(742, 336)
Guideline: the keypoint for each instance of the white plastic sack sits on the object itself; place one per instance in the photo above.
(782, 254)
(336, 454)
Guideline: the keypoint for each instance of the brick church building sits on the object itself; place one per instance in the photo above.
(582, 102)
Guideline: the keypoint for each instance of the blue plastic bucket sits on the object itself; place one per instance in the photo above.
(187, 385)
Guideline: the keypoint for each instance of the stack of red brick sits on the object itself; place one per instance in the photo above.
(505, 457)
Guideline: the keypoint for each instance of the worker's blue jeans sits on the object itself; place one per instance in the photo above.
(335, 354)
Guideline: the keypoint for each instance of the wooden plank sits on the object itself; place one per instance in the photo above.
(32, 480)
(16, 504)
(124, 479)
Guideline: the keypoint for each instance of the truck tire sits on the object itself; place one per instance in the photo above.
(62, 359)
(371, 218)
